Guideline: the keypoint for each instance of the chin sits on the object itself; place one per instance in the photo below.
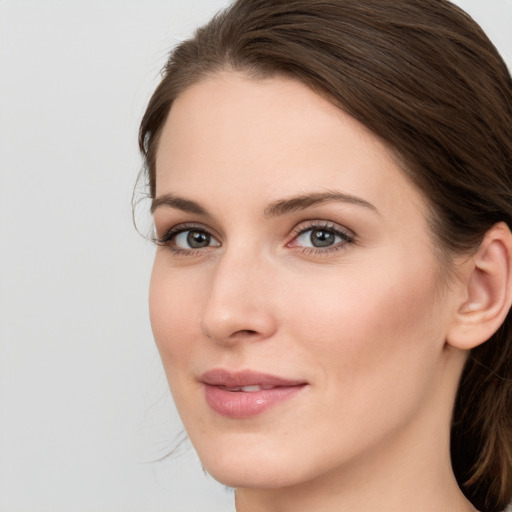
(252, 467)
(253, 477)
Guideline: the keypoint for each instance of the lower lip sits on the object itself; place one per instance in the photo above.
(243, 404)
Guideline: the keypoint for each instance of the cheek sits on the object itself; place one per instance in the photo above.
(373, 298)
(173, 307)
(374, 333)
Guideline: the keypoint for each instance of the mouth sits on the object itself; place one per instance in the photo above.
(239, 395)
(247, 389)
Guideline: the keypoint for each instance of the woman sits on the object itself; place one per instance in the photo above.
(331, 187)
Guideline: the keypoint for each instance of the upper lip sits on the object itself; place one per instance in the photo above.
(235, 379)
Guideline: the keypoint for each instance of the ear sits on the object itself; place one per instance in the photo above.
(486, 282)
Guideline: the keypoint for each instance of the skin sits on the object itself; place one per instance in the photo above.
(364, 321)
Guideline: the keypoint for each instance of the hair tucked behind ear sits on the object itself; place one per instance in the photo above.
(424, 77)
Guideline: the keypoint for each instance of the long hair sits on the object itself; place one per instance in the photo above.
(423, 76)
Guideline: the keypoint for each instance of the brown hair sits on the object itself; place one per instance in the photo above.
(423, 76)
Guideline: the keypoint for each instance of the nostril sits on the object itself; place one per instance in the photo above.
(236, 322)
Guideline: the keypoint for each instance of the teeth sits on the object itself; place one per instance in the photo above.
(250, 389)
(247, 389)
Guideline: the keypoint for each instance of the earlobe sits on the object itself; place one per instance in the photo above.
(487, 284)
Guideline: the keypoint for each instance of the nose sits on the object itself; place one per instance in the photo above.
(239, 304)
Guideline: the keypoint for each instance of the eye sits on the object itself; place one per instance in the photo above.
(320, 237)
(188, 238)
(194, 239)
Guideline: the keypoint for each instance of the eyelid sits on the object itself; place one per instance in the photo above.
(347, 236)
(170, 234)
(318, 223)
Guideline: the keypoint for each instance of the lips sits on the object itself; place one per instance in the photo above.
(239, 395)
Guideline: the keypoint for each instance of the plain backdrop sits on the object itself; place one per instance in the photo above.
(84, 406)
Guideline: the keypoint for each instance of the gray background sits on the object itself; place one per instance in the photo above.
(83, 399)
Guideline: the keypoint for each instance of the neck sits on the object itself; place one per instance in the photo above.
(420, 483)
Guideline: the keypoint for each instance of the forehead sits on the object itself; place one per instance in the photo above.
(232, 135)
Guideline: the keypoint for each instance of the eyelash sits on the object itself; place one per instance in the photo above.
(169, 236)
(166, 240)
(336, 230)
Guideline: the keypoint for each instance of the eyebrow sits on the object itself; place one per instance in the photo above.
(296, 203)
(178, 203)
(274, 209)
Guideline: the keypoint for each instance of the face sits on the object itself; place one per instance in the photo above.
(295, 297)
